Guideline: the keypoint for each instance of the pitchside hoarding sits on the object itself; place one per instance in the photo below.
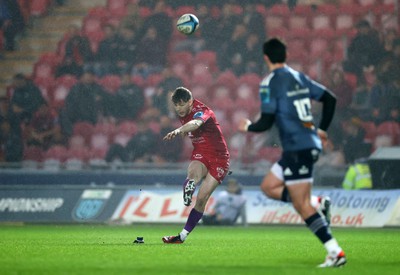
(58, 204)
(349, 208)
(367, 208)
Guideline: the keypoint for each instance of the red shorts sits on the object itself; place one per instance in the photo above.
(218, 166)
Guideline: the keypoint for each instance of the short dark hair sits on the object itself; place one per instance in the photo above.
(181, 94)
(275, 49)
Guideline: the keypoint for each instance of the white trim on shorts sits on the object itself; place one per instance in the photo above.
(277, 170)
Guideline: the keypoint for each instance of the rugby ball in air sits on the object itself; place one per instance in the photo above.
(187, 23)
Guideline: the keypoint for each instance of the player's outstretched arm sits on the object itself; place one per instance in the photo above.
(264, 123)
(184, 129)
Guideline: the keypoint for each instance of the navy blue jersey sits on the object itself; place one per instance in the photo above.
(287, 94)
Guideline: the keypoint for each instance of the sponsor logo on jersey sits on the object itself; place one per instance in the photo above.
(198, 156)
(91, 204)
(298, 92)
(265, 94)
(303, 170)
(288, 172)
(198, 115)
(220, 171)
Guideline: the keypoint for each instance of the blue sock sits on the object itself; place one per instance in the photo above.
(319, 227)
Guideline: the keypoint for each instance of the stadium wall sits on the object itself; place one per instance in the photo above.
(151, 197)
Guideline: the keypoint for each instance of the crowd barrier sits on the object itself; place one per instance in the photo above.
(154, 198)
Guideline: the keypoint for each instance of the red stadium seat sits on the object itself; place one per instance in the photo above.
(107, 128)
(127, 127)
(227, 79)
(39, 7)
(99, 140)
(390, 129)
(98, 153)
(56, 152)
(122, 139)
(46, 86)
(92, 25)
(41, 70)
(319, 46)
(200, 92)
(33, 153)
(208, 59)
(370, 131)
(95, 38)
(76, 141)
(153, 80)
(299, 19)
(110, 82)
(62, 87)
(272, 154)
(184, 9)
(201, 76)
(100, 12)
(116, 4)
(50, 58)
(78, 153)
(84, 129)
(251, 79)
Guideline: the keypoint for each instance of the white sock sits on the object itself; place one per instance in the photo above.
(332, 247)
(184, 233)
(315, 201)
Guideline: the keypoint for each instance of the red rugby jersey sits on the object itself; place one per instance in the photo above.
(208, 139)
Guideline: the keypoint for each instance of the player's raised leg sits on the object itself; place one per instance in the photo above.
(207, 187)
(273, 186)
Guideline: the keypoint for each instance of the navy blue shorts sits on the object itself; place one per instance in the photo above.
(296, 166)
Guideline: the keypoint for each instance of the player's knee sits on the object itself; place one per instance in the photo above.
(267, 190)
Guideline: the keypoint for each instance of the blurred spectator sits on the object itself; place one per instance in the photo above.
(254, 21)
(159, 100)
(332, 155)
(207, 26)
(233, 49)
(396, 51)
(172, 151)
(353, 143)
(343, 91)
(4, 127)
(389, 37)
(26, 98)
(365, 50)
(107, 52)
(385, 94)
(253, 63)
(358, 176)
(25, 101)
(151, 54)
(224, 28)
(161, 21)
(11, 22)
(44, 129)
(230, 204)
(77, 52)
(126, 52)
(132, 20)
(129, 100)
(86, 101)
(140, 148)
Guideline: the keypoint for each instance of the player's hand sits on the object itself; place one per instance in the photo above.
(323, 136)
(172, 134)
(244, 124)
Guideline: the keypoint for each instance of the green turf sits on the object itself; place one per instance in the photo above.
(95, 249)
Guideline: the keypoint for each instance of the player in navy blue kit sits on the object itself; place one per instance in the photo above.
(286, 96)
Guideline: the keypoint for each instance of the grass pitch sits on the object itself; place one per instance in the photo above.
(101, 249)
